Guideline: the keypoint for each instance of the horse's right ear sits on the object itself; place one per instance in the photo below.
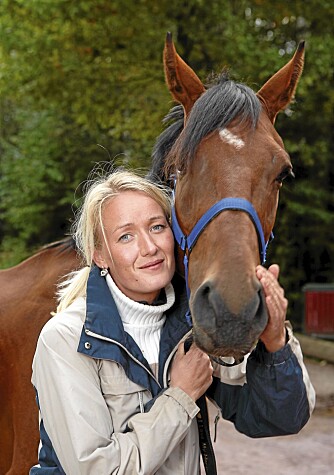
(181, 80)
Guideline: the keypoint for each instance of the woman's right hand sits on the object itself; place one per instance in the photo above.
(191, 371)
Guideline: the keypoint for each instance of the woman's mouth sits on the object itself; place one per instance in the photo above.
(152, 265)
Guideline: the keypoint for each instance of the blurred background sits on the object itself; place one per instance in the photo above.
(82, 81)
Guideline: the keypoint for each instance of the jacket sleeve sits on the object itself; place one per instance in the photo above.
(269, 394)
(78, 423)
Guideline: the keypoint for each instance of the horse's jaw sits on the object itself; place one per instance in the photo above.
(220, 332)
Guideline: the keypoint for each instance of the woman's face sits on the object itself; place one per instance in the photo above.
(141, 245)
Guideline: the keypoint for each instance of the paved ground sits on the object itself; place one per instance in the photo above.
(311, 452)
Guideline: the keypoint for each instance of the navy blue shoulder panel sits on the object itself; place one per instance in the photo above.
(48, 460)
(102, 315)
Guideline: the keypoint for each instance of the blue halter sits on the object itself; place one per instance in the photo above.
(187, 243)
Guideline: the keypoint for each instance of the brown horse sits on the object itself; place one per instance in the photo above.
(228, 156)
(226, 149)
(27, 300)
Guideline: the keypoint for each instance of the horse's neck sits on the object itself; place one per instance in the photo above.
(48, 265)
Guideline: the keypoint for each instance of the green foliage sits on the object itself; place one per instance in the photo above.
(77, 74)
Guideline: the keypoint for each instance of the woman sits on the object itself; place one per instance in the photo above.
(116, 390)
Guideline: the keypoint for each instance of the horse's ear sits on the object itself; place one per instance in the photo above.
(279, 90)
(182, 82)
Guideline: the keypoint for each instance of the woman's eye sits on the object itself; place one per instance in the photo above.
(158, 227)
(125, 238)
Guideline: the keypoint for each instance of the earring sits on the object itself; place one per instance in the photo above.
(103, 272)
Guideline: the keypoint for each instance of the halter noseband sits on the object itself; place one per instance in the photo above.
(187, 242)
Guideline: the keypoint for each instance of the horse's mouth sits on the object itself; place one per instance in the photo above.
(216, 349)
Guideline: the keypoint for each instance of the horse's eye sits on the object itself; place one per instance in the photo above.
(286, 172)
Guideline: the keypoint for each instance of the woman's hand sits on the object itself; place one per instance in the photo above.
(191, 371)
(274, 335)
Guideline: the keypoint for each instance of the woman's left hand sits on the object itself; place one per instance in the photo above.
(274, 335)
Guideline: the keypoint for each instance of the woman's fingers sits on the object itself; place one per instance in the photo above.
(273, 335)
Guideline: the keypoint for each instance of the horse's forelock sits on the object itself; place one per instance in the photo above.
(223, 102)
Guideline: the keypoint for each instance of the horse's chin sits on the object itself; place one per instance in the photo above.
(217, 349)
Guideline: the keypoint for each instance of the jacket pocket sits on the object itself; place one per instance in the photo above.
(123, 397)
(118, 385)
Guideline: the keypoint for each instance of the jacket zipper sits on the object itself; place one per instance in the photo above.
(141, 402)
(172, 353)
(96, 335)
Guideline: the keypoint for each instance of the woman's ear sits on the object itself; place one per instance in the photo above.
(99, 259)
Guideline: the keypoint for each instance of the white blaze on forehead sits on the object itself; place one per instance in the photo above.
(231, 139)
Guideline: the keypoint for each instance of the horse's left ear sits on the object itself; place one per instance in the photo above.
(279, 90)
(181, 80)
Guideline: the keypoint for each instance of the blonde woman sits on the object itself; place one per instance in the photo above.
(116, 390)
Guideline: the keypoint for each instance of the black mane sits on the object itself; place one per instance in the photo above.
(222, 103)
(165, 142)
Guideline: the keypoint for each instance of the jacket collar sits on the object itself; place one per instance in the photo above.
(103, 319)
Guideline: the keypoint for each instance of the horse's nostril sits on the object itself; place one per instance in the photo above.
(205, 291)
(205, 296)
(208, 303)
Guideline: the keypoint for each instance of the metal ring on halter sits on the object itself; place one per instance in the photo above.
(218, 360)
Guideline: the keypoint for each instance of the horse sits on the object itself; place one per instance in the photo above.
(228, 164)
(222, 145)
(27, 300)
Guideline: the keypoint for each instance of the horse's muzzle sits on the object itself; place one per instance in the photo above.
(219, 331)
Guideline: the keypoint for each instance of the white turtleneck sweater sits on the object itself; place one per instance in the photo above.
(142, 321)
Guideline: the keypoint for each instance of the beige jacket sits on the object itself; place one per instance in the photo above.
(110, 434)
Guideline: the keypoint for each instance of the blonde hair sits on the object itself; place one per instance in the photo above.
(88, 223)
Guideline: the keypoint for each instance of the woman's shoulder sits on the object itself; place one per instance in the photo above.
(66, 324)
(56, 352)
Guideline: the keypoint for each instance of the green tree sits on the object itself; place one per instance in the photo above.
(73, 76)
(77, 74)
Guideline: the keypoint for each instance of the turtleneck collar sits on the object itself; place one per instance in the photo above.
(138, 313)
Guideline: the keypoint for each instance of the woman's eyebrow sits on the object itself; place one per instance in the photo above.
(122, 226)
(127, 225)
(159, 216)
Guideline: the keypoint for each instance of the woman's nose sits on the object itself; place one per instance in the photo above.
(147, 245)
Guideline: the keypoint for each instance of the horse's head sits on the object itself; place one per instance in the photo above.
(228, 148)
